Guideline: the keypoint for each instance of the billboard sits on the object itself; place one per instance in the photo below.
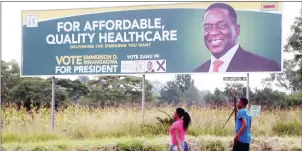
(255, 110)
(202, 37)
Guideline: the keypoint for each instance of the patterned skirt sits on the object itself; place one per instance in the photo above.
(184, 147)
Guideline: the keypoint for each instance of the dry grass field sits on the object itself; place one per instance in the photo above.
(122, 129)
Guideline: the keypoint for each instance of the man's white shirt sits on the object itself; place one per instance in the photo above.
(226, 58)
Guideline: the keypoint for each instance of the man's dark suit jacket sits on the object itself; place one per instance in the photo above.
(244, 61)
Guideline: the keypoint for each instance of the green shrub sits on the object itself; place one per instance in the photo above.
(291, 128)
(213, 146)
(133, 145)
(11, 137)
(294, 99)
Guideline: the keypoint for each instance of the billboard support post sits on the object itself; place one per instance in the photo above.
(143, 98)
(248, 86)
(53, 97)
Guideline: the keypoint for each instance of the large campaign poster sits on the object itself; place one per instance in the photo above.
(204, 37)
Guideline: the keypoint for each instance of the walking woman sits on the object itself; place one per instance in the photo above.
(178, 130)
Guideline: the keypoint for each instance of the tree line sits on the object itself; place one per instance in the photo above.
(182, 90)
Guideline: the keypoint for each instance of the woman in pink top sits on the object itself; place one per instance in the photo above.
(178, 130)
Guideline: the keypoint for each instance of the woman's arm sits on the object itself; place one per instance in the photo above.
(177, 138)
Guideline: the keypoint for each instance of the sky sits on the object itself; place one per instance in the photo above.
(11, 36)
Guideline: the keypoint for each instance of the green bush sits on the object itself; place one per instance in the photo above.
(292, 128)
(133, 145)
(294, 99)
(213, 146)
(11, 137)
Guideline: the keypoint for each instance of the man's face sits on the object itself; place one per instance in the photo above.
(149, 66)
(220, 34)
(239, 104)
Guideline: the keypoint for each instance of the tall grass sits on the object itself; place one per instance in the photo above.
(89, 123)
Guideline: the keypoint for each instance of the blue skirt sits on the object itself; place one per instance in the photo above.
(184, 147)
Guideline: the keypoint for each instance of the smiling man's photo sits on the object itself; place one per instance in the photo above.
(221, 33)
